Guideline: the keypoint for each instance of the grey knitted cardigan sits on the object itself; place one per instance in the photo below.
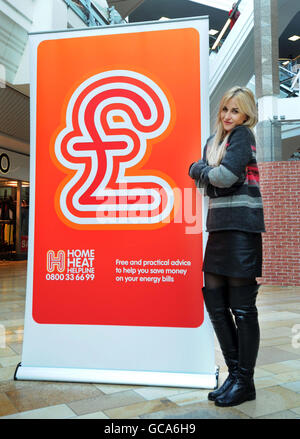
(235, 201)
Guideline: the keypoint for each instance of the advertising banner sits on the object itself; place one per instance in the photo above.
(116, 225)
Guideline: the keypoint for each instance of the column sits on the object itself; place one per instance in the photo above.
(266, 54)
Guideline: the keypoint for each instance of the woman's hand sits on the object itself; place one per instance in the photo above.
(199, 170)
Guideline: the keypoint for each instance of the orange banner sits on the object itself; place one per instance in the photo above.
(118, 222)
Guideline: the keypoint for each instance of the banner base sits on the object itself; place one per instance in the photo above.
(169, 379)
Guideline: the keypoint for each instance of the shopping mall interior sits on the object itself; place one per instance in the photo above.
(259, 50)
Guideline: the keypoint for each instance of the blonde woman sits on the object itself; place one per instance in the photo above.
(233, 256)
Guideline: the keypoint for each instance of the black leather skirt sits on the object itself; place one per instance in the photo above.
(234, 253)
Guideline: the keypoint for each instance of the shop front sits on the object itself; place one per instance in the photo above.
(14, 205)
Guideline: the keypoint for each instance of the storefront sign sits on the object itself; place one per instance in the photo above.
(116, 237)
(14, 165)
(4, 163)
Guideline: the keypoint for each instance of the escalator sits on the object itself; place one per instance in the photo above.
(234, 62)
(289, 82)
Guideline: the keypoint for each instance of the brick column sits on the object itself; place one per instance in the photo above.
(280, 188)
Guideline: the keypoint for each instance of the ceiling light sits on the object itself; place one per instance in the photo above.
(213, 32)
(294, 38)
(163, 18)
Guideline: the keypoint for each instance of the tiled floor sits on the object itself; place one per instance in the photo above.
(277, 375)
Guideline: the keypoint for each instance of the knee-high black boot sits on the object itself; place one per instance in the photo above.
(242, 301)
(217, 305)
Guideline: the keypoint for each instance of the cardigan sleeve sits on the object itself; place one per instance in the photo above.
(196, 167)
(238, 154)
(215, 192)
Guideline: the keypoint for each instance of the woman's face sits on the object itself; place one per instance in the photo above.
(231, 115)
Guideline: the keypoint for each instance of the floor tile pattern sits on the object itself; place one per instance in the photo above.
(277, 375)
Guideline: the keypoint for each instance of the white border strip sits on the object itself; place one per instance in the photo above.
(203, 381)
(178, 340)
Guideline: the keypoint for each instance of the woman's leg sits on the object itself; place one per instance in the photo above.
(242, 301)
(213, 280)
(216, 299)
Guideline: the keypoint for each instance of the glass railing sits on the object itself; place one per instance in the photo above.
(88, 12)
(285, 137)
(290, 140)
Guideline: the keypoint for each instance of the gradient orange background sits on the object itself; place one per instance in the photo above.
(171, 58)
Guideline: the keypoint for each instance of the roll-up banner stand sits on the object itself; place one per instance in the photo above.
(118, 114)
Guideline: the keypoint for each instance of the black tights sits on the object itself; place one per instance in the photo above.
(213, 280)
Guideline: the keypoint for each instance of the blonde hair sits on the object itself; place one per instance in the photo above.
(246, 104)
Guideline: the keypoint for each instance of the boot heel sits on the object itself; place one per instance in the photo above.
(251, 397)
(236, 395)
